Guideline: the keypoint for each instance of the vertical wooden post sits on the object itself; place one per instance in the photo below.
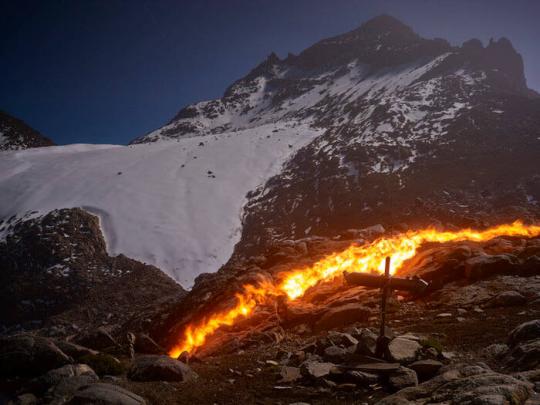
(382, 340)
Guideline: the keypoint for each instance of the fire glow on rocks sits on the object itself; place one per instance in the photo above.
(359, 259)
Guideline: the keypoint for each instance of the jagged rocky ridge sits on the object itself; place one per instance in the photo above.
(417, 131)
(16, 135)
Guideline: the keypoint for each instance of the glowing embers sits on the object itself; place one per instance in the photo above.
(355, 259)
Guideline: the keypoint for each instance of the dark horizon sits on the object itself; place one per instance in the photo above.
(109, 71)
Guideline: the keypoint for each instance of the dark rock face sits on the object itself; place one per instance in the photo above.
(15, 134)
(56, 273)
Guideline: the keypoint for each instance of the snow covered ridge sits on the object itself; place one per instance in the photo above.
(335, 81)
(176, 205)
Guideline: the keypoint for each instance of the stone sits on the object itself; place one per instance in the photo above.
(67, 380)
(336, 354)
(361, 377)
(367, 342)
(402, 378)
(27, 355)
(342, 316)
(342, 339)
(464, 384)
(98, 339)
(145, 344)
(524, 332)
(160, 368)
(105, 394)
(403, 350)
(426, 369)
(56, 376)
(316, 369)
(289, 374)
(377, 368)
(525, 356)
(507, 299)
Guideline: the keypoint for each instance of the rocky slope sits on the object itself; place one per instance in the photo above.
(58, 277)
(16, 135)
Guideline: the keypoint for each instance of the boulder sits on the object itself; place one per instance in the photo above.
(465, 384)
(98, 339)
(524, 332)
(480, 267)
(67, 380)
(426, 369)
(160, 368)
(402, 378)
(403, 350)
(507, 299)
(525, 356)
(27, 355)
(56, 376)
(342, 316)
(105, 394)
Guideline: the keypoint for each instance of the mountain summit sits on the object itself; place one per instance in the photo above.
(415, 130)
(328, 83)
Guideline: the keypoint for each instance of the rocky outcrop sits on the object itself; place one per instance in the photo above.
(57, 274)
(16, 134)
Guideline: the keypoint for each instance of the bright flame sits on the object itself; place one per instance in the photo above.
(357, 259)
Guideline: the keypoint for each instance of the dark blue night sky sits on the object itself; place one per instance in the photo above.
(106, 71)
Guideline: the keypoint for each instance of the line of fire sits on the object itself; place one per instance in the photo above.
(373, 265)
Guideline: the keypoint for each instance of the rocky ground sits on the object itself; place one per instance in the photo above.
(473, 338)
(471, 344)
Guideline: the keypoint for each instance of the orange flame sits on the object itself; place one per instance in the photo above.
(366, 258)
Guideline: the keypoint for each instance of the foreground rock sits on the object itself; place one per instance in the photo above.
(27, 355)
(402, 378)
(403, 350)
(160, 368)
(106, 394)
(465, 384)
